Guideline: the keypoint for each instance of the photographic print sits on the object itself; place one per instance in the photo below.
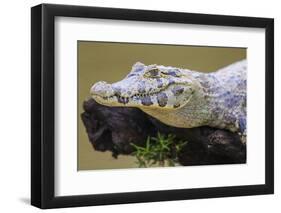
(163, 103)
(160, 105)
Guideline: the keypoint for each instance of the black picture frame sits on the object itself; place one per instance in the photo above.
(43, 102)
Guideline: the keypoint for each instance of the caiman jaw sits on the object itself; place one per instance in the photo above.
(105, 94)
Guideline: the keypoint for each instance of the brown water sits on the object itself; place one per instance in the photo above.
(111, 62)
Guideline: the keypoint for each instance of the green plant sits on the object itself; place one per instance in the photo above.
(161, 150)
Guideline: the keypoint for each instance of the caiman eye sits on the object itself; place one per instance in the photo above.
(153, 73)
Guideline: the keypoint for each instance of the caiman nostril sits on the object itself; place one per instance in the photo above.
(101, 88)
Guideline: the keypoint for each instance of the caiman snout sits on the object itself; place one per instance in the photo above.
(102, 89)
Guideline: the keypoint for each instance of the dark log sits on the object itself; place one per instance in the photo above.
(115, 128)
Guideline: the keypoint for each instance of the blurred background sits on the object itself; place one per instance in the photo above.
(111, 62)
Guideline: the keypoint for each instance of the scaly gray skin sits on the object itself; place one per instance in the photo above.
(182, 98)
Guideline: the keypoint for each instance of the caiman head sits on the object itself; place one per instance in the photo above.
(152, 86)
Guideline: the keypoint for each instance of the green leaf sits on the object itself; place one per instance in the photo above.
(158, 150)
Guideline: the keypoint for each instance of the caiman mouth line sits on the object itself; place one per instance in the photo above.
(138, 95)
(125, 100)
